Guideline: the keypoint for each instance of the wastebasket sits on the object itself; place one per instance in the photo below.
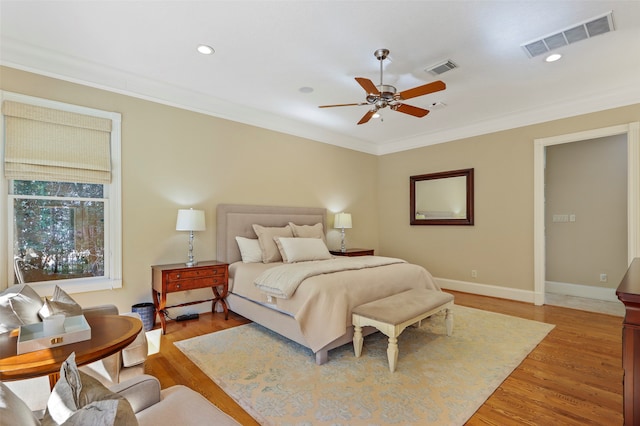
(148, 314)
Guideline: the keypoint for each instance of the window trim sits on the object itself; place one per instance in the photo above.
(113, 227)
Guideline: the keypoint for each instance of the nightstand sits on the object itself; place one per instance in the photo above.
(179, 277)
(352, 252)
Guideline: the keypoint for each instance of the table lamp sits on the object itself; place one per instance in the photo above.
(342, 221)
(190, 220)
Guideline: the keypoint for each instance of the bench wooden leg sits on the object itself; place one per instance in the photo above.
(392, 353)
(448, 320)
(357, 340)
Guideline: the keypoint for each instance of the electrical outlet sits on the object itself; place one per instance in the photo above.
(603, 278)
(474, 273)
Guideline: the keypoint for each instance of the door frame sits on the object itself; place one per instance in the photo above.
(632, 130)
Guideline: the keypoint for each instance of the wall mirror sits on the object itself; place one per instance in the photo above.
(443, 198)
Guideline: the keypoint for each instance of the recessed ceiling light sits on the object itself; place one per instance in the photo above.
(205, 50)
(305, 89)
(553, 57)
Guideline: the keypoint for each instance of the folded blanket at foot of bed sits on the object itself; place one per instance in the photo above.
(283, 281)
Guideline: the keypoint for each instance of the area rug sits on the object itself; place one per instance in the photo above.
(439, 380)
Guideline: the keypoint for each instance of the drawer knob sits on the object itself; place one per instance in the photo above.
(178, 276)
(178, 286)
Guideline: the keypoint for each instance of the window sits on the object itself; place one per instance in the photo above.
(61, 178)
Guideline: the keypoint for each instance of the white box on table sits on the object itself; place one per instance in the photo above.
(31, 337)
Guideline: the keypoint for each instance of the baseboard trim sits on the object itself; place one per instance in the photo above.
(487, 290)
(576, 290)
(580, 290)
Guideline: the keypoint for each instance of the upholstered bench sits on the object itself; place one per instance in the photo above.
(393, 314)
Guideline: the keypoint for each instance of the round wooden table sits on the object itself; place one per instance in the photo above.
(109, 335)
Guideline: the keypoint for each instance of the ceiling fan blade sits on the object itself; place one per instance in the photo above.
(411, 110)
(367, 85)
(436, 86)
(367, 116)
(341, 105)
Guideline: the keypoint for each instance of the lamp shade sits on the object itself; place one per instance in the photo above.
(190, 220)
(342, 220)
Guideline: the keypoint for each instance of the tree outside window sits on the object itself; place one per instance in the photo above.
(59, 230)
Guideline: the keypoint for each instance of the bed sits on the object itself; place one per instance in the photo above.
(318, 314)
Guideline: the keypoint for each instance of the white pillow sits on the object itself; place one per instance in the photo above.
(249, 250)
(302, 249)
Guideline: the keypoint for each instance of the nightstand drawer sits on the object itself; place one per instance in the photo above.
(195, 273)
(182, 285)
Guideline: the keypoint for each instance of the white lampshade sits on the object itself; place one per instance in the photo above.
(342, 220)
(190, 220)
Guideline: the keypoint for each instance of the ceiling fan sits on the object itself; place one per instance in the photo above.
(385, 95)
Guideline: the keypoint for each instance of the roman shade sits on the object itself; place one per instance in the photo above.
(53, 145)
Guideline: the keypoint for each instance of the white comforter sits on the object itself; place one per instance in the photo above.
(322, 304)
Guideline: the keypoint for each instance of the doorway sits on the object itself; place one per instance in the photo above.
(632, 132)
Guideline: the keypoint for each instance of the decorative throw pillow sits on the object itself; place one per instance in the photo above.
(60, 303)
(79, 399)
(249, 250)
(270, 252)
(13, 410)
(302, 249)
(308, 231)
(19, 305)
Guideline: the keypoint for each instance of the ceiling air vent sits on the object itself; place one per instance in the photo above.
(593, 27)
(441, 68)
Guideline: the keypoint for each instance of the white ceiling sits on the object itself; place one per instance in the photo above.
(265, 51)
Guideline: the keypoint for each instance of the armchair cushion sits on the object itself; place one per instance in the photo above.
(79, 399)
(100, 310)
(180, 405)
(142, 391)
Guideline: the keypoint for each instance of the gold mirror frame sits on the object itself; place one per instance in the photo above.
(418, 219)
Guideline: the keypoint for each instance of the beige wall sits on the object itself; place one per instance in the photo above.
(500, 245)
(587, 179)
(173, 158)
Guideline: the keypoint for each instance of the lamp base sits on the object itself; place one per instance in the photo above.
(191, 261)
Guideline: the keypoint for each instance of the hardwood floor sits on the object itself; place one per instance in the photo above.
(573, 377)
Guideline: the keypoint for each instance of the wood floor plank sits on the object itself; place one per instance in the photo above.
(573, 377)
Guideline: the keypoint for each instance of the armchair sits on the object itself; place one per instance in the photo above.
(176, 405)
(20, 304)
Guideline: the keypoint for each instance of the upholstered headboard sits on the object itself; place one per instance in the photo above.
(236, 220)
